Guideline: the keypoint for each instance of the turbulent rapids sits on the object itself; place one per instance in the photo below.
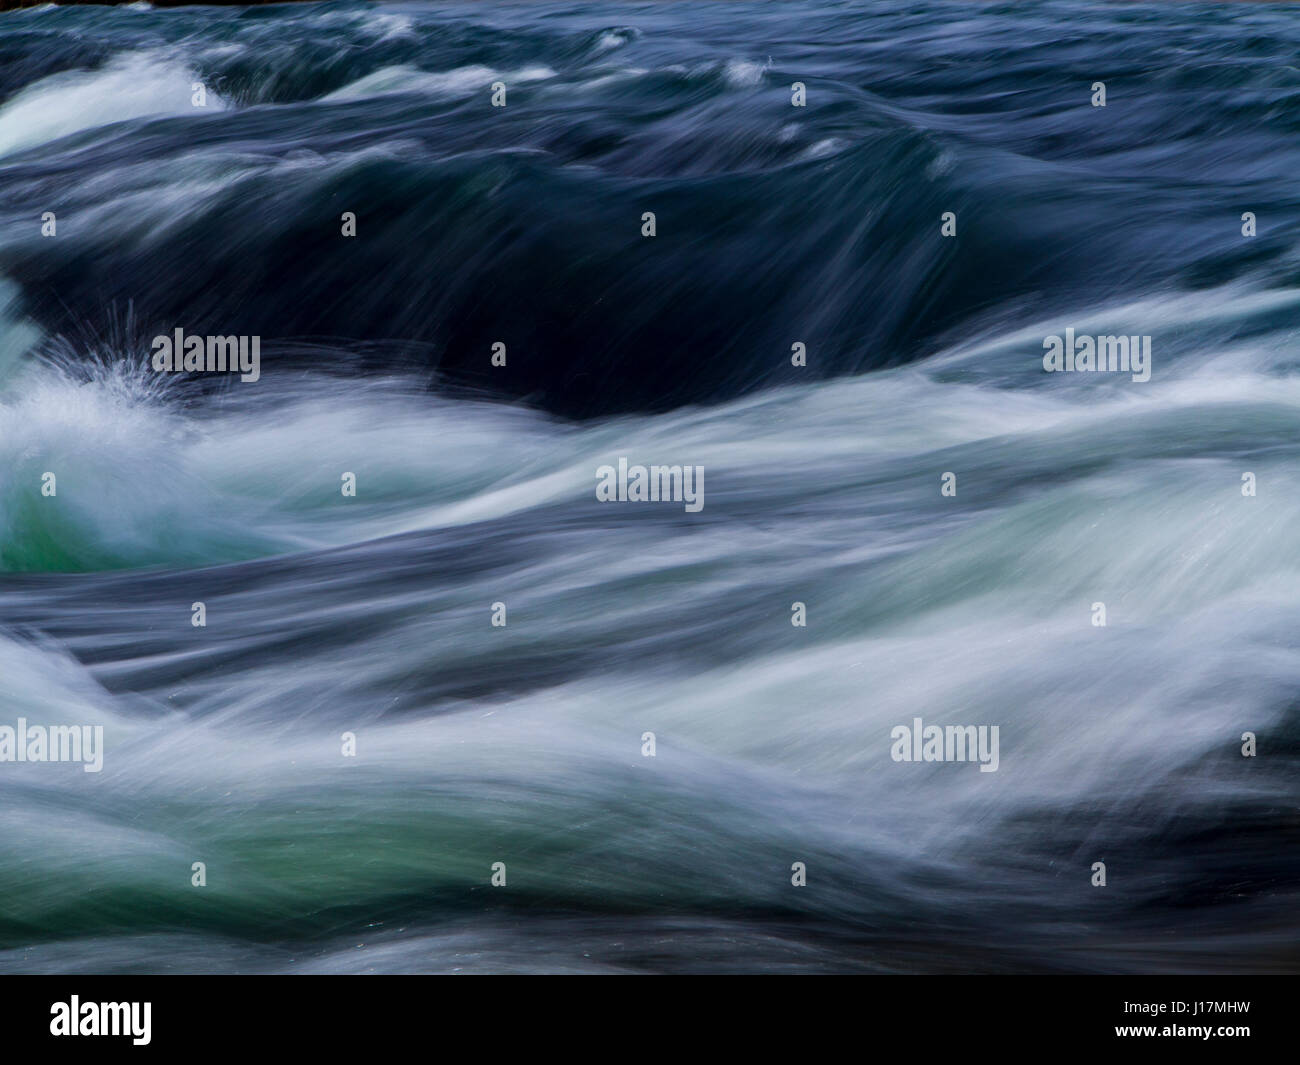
(937, 515)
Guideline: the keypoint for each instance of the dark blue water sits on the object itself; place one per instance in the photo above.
(775, 225)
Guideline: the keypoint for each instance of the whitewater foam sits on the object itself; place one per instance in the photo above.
(462, 81)
(134, 86)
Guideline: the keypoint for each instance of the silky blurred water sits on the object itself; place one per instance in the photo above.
(371, 615)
